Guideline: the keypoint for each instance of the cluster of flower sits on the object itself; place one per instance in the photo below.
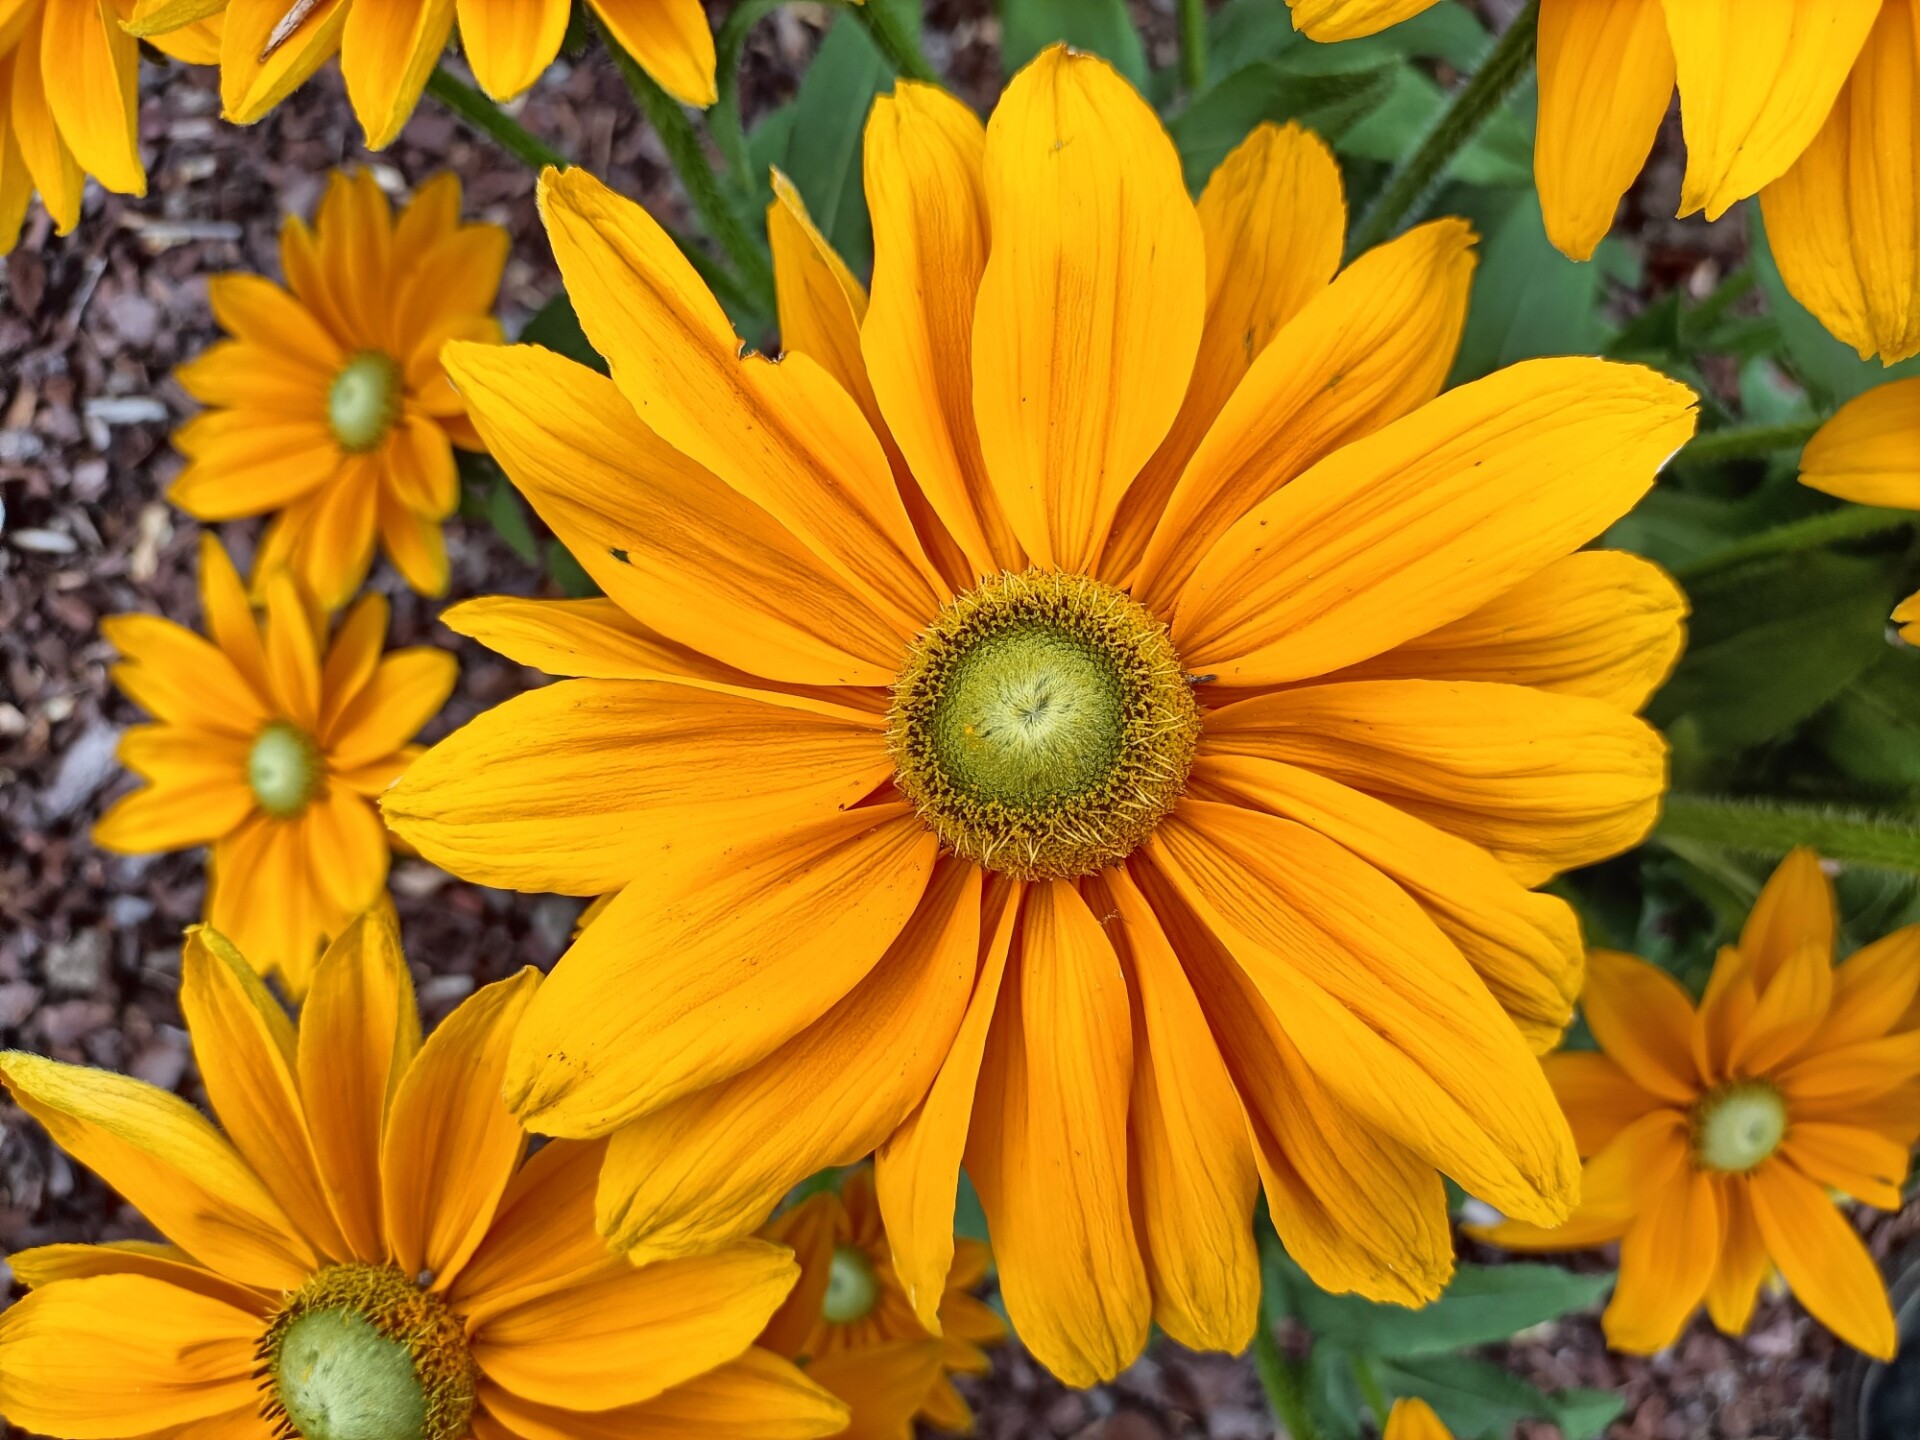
(1096, 712)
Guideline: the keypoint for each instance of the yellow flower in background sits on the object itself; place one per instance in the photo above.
(1131, 788)
(388, 48)
(269, 746)
(1716, 1135)
(328, 405)
(1869, 452)
(362, 1252)
(850, 1326)
(1414, 1420)
(1814, 105)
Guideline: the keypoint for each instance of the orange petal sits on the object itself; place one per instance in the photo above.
(883, 1385)
(1850, 1159)
(671, 41)
(1351, 19)
(508, 44)
(756, 1397)
(1822, 1260)
(542, 1237)
(1794, 913)
(1598, 1096)
(1869, 452)
(1874, 989)
(1644, 1021)
(1667, 1261)
(1743, 1260)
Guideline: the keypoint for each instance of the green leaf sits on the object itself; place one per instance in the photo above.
(823, 151)
(507, 513)
(1585, 1414)
(1102, 27)
(1501, 154)
(1528, 299)
(1208, 129)
(1830, 367)
(1771, 827)
(567, 574)
(557, 327)
(1872, 732)
(1476, 1400)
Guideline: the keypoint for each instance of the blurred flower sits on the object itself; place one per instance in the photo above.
(362, 1253)
(270, 746)
(1414, 1420)
(1810, 106)
(68, 81)
(388, 48)
(1715, 1134)
(329, 404)
(1869, 452)
(849, 1324)
(946, 738)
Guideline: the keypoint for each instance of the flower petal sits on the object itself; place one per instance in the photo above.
(1667, 1261)
(1351, 19)
(1794, 913)
(1091, 305)
(1855, 1161)
(1598, 1095)
(1822, 1260)
(181, 678)
(1869, 452)
(56, 173)
(508, 43)
(542, 1236)
(1644, 1021)
(252, 82)
(293, 655)
(406, 690)
(756, 1397)
(883, 1385)
(1743, 1266)
(671, 41)
(96, 103)
(1874, 989)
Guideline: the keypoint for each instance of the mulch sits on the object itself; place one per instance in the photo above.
(90, 328)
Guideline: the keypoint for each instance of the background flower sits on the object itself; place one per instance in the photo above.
(1870, 453)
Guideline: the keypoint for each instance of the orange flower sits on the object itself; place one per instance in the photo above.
(1869, 452)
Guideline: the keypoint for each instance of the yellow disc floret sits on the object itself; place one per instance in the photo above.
(1738, 1126)
(360, 1352)
(1043, 725)
(284, 769)
(364, 400)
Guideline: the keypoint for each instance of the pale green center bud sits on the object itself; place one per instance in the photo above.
(852, 1287)
(341, 1379)
(1737, 1127)
(364, 400)
(284, 769)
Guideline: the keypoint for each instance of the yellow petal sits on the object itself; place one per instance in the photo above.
(1606, 80)
(756, 1397)
(1413, 1419)
(917, 1170)
(16, 185)
(700, 967)
(784, 436)
(201, 800)
(1644, 1021)
(821, 303)
(1424, 521)
(1048, 1145)
(667, 1323)
(682, 553)
(508, 44)
(1599, 623)
(883, 1385)
(253, 82)
(1546, 782)
(671, 41)
(405, 691)
(56, 173)
(1826, 1084)
(114, 1355)
(163, 1157)
(1091, 304)
(1756, 83)
(1792, 1007)
(1274, 220)
(1667, 1261)
(181, 678)
(293, 654)
(706, 1169)
(1743, 1266)
(1794, 912)
(1874, 989)
(359, 1031)
(1598, 1095)
(924, 152)
(541, 1238)
(1639, 1159)
(1851, 1159)
(1525, 946)
(95, 104)
(228, 615)
(1193, 1164)
(1351, 19)
(1823, 1260)
(580, 786)
(1869, 452)
(450, 1146)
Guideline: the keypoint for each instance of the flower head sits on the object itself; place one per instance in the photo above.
(328, 405)
(1413, 1419)
(849, 1323)
(1869, 452)
(1808, 105)
(366, 1251)
(268, 745)
(1087, 711)
(388, 50)
(1713, 1134)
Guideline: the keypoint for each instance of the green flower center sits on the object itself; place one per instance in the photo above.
(284, 769)
(852, 1287)
(362, 1353)
(1738, 1126)
(1043, 725)
(364, 400)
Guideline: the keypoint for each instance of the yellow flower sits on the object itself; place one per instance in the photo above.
(1869, 452)
(329, 404)
(1091, 711)
(363, 1252)
(1414, 1420)
(1813, 105)
(388, 48)
(1715, 1134)
(269, 748)
(849, 1324)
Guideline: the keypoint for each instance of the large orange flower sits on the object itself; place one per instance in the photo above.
(1091, 711)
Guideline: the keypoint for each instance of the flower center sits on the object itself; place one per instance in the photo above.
(1738, 1126)
(852, 1287)
(364, 400)
(1042, 725)
(283, 768)
(362, 1353)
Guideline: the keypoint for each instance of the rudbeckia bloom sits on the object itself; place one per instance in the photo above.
(1869, 452)
(1814, 105)
(329, 405)
(1088, 709)
(1714, 1134)
(363, 1252)
(850, 1325)
(269, 746)
(388, 48)
(1414, 1420)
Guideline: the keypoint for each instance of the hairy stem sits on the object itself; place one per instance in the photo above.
(1193, 46)
(895, 40)
(1773, 827)
(493, 122)
(1850, 522)
(1744, 442)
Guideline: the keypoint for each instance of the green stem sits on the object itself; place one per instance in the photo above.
(1371, 1392)
(896, 40)
(1772, 827)
(1411, 186)
(1744, 442)
(723, 120)
(1850, 522)
(490, 120)
(1709, 312)
(689, 159)
(1193, 45)
(1285, 1382)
